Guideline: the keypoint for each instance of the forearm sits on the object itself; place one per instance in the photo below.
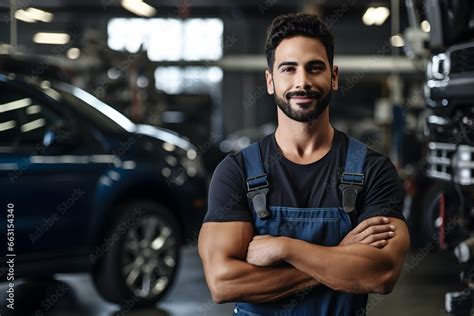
(352, 268)
(236, 280)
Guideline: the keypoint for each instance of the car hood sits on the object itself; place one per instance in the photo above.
(164, 135)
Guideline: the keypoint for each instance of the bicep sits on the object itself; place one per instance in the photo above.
(224, 240)
(397, 247)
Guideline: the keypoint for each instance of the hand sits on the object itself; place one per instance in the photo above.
(374, 231)
(265, 250)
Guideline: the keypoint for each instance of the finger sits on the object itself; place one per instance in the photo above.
(379, 244)
(258, 237)
(377, 229)
(377, 220)
(376, 237)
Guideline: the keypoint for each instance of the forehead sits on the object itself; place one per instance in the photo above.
(300, 49)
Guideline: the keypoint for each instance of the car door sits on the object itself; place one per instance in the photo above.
(49, 168)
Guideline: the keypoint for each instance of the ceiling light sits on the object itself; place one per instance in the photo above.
(397, 41)
(24, 16)
(51, 38)
(375, 15)
(5, 48)
(32, 15)
(73, 53)
(40, 15)
(139, 7)
(425, 26)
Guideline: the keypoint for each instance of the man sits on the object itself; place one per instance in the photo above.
(308, 220)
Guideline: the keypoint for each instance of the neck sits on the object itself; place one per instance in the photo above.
(304, 142)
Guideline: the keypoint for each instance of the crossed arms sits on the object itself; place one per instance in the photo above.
(242, 267)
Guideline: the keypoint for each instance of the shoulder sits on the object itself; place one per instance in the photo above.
(377, 163)
(374, 161)
(235, 161)
(230, 168)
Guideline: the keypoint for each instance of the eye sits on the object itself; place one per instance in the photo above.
(316, 68)
(287, 69)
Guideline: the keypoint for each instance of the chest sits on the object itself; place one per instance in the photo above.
(309, 186)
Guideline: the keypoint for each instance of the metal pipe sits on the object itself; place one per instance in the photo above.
(13, 28)
(412, 15)
(395, 24)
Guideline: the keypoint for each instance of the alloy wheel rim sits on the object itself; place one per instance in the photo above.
(149, 256)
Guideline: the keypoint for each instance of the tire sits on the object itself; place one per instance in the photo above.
(430, 212)
(140, 262)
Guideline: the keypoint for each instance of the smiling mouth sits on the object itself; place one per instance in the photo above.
(301, 97)
(303, 101)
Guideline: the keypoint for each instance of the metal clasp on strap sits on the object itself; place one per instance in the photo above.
(257, 188)
(351, 185)
(257, 182)
(259, 202)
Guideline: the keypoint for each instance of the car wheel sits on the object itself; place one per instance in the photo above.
(140, 263)
(430, 216)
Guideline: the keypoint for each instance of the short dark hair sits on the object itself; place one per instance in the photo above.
(294, 24)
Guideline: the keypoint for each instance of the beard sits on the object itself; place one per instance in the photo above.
(310, 111)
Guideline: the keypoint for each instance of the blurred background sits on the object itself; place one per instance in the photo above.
(115, 113)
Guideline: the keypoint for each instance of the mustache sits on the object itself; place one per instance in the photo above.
(304, 93)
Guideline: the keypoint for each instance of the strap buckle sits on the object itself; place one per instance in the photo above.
(264, 185)
(350, 178)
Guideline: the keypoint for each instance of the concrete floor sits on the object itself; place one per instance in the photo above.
(420, 291)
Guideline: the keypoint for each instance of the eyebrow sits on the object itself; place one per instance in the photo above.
(310, 63)
(316, 62)
(287, 63)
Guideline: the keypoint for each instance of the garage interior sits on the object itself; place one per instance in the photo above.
(191, 74)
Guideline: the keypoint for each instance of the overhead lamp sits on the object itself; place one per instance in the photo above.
(397, 41)
(375, 15)
(24, 16)
(32, 15)
(73, 53)
(425, 26)
(40, 15)
(139, 7)
(51, 38)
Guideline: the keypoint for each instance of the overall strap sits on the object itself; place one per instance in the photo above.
(257, 181)
(352, 179)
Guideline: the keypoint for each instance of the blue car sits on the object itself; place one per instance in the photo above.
(83, 188)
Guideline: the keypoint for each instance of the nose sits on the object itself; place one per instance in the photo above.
(302, 81)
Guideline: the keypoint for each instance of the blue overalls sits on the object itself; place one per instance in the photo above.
(322, 226)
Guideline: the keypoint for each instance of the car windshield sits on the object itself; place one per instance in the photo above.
(104, 116)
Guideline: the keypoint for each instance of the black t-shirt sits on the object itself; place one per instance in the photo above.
(313, 185)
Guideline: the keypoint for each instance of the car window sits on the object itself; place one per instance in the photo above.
(98, 118)
(24, 120)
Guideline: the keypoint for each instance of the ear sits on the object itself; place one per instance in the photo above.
(269, 80)
(335, 78)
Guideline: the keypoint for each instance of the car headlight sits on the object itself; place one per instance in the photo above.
(438, 67)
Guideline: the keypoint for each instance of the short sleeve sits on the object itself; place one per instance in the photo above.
(383, 191)
(227, 200)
